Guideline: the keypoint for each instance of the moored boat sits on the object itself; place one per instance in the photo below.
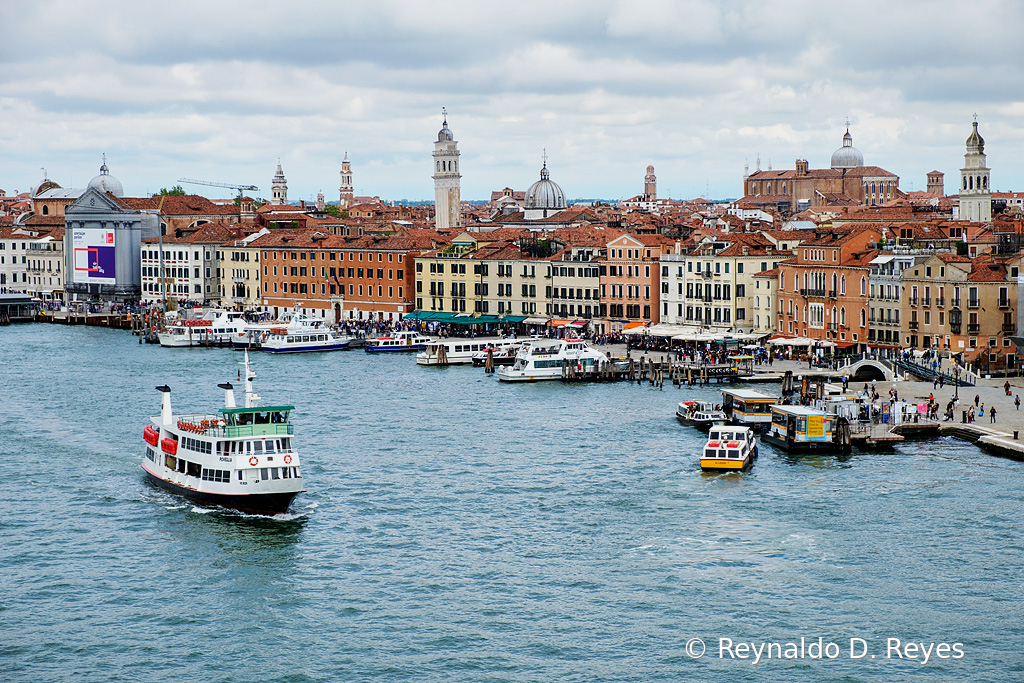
(803, 428)
(215, 328)
(748, 408)
(239, 457)
(729, 448)
(283, 340)
(463, 351)
(397, 342)
(547, 359)
(700, 414)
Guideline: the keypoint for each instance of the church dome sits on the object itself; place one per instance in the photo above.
(445, 134)
(545, 193)
(47, 184)
(847, 156)
(975, 143)
(105, 182)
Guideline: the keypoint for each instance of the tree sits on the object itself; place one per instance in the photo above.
(177, 191)
(333, 211)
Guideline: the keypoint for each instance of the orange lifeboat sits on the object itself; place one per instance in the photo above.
(169, 446)
(150, 435)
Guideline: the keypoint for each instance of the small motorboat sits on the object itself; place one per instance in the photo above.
(700, 414)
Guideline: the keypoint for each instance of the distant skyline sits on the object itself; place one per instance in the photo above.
(215, 91)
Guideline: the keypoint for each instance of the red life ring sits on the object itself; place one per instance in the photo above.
(287, 459)
(254, 461)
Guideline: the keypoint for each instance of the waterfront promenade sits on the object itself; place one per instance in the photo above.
(997, 437)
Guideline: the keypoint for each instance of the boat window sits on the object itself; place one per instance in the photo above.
(734, 454)
(170, 462)
(263, 474)
(274, 474)
(239, 475)
(286, 474)
(257, 446)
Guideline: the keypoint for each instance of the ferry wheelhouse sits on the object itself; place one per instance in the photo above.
(462, 351)
(801, 428)
(397, 341)
(543, 359)
(239, 457)
(729, 448)
(746, 407)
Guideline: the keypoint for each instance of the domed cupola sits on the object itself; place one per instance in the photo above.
(545, 193)
(975, 143)
(445, 134)
(847, 156)
(105, 182)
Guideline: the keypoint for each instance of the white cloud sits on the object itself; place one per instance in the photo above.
(199, 89)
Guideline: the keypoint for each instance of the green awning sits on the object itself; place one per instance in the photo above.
(514, 318)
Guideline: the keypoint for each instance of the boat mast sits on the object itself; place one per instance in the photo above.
(252, 399)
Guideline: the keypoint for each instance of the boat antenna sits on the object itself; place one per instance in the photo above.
(252, 399)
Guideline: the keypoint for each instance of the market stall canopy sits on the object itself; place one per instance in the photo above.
(666, 330)
(790, 341)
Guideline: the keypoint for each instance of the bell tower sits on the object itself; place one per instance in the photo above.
(975, 194)
(650, 184)
(447, 193)
(346, 192)
(279, 187)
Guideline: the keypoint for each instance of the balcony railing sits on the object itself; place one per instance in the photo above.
(954, 303)
(831, 294)
(973, 303)
(973, 328)
(954, 328)
(913, 301)
(1004, 303)
(912, 325)
(940, 301)
(1009, 328)
(926, 301)
(812, 292)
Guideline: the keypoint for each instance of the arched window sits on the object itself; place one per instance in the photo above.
(833, 282)
(842, 285)
(46, 210)
(832, 318)
(970, 182)
(863, 286)
(984, 182)
(965, 182)
(863, 318)
(842, 316)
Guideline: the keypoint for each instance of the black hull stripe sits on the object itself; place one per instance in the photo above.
(259, 503)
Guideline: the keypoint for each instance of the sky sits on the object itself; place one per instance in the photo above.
(220, 91)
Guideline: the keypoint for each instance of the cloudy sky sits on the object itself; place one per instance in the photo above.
(220, 90)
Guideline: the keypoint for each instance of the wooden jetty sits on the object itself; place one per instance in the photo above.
(655, 372)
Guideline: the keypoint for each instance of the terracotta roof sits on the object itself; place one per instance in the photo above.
(771, 272)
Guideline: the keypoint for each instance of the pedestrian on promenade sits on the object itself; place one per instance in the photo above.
(977, 397)
(992, 415)
(1016, 402)
(1006, 388)
(981, 411)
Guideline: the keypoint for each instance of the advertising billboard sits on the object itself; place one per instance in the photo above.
(94, 256)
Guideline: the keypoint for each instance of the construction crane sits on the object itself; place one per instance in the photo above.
(239, 188)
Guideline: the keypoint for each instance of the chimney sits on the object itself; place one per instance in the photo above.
(229, 394)
(165, 405)
(679, 247)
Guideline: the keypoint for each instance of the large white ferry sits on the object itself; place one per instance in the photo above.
(240, 457)
(543, 359)
(214, 328)
(461, 351)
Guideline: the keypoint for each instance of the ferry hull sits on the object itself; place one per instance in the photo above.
(306, 349)
(392, 349)
(724, 465)
(257, 504)
(795, 446)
